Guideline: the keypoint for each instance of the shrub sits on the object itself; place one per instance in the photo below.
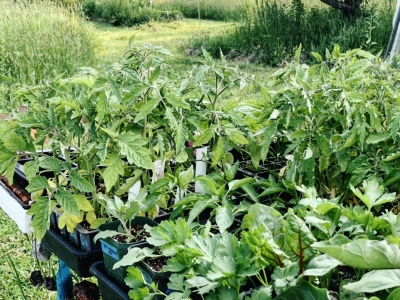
(273, 32)
(39, 40)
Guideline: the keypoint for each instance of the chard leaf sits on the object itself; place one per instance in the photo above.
(298, 239)
(374, 281)
(305, 290)
(362, 254)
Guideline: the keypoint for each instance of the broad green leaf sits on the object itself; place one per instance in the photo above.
(321, 265)
(203, 284)
(197, 210)
(31, 169)
(285, 276)
(378, 137)
(130, 182)
(238, 183)
(132, 147)
(181, 137)
(105, 234)
(133, 256)
(159, 184)
(10, 171)
(80, 183)
(224, 217)
(251, 192)
(67, 201)
(114, 168)
(267, 137)
(41, 210)
(373, 194)
(304, 290)
(230, 170)
(14, 142)
(134, 278)
(50, 163)
(376, 280)
(208, 185)
(37, 183)
(394, 295)
(218, 152)
(235, 135)
(150, 201)
(298, 238)
(393, 177)
(185, 178)
(205, 137)
(362, 254)
(146, 109)
(350, 141)
(101, 107)
(83, 203)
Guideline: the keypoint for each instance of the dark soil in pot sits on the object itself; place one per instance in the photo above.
(158, 263)
(86, 290)
(137, 231)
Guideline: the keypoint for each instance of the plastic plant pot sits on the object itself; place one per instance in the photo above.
(78, 260)
(13, 206)
(113, 251)
(86, 238)
(108, 289)
(161, 278)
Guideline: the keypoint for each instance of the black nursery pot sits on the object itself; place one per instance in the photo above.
(108, 289)
(79, 261)
(150, 276)
(113, 251)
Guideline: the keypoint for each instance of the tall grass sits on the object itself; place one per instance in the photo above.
(40, 40)
(273, 31)
(222, 10)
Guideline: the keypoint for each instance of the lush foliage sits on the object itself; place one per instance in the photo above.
(40, 40)
(126, 12)
(326, 133)
(272, 32)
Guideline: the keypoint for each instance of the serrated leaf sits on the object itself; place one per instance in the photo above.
(37, 183)
(378, 137)
(31, 169)
(146, 109)
(67, 201)
(235, 135)
(80, 183)
(114, 169)
(14, 142)
(41, 210)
